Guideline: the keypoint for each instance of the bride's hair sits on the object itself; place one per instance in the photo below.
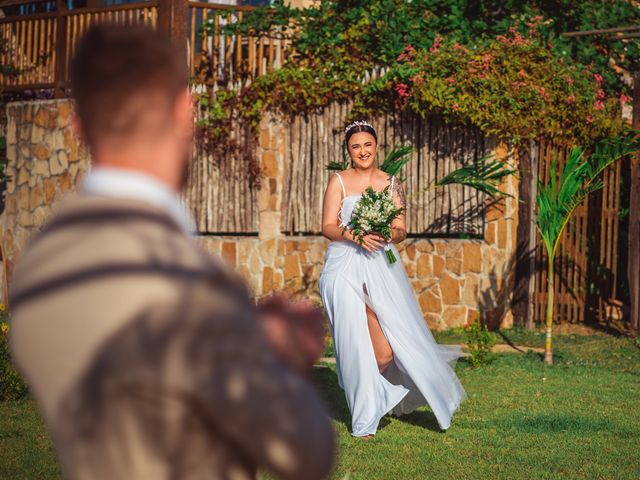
(359, 126)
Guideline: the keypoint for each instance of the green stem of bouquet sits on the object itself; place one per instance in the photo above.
(390, 256)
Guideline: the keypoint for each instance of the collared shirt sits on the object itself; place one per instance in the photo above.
(121, 183)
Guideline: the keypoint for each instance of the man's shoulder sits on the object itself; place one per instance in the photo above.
(94, 236)
(113, 228)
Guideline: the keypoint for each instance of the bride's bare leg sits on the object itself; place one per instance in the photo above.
(381, 347)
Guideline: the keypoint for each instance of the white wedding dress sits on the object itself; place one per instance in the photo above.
(420, 373)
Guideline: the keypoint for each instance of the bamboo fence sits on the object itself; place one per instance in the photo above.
(315, 140)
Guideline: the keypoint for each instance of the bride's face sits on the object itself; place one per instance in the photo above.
(362, 149)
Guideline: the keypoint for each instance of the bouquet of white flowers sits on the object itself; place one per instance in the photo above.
(374, 213)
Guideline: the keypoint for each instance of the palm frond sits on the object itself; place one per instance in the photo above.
(485, 175)
(397, 158)
(578, 178)
(337, 166)
(608, 151)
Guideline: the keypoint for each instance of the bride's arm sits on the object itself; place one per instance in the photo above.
(399, 226)
(330, 211)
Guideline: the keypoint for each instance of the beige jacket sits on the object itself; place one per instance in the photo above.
(146, 358)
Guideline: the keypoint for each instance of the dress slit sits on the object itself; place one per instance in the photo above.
(369, 305)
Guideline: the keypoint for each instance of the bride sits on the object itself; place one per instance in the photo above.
(387, 359)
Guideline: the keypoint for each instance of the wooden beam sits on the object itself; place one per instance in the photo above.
(584, 33)
(526, 240)
(173, 20)
(624, 37)
(633, 267)
(60, 74)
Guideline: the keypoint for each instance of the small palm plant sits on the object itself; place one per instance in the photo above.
(396, 159)
(562, 194)
(485, 175)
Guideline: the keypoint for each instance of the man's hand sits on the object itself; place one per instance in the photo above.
(295, 330)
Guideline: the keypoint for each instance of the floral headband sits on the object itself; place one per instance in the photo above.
(357, 123)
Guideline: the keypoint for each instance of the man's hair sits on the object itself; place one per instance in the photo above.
(118, 71)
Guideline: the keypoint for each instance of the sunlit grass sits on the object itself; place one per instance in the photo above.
(576, 420)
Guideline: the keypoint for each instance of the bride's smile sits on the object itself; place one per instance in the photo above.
(363, 149)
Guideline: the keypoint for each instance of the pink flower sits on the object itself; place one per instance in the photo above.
(589, 119)
(599, 105)
(571, 98)
(568, 80)
(403, 90)
(417, 79)
(543, 93)
(522, 73)
(535, 21)
(624, 99)
(600, 94)
(598, 79)
(486, 60)
(457, 46)
(534, 24)
(451, 80)
(455, 107)
(407, 54)
(516, 38)
(437, 43)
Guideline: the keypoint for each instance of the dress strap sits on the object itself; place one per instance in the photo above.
(344, 192)
(393, 177)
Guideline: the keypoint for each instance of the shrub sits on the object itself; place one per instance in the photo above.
(12, 387)
(479, 342)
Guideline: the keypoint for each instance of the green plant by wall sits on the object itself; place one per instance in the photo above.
(383, 28)
(479, 341)
(512, 87)
(558, 198)
(12, 387)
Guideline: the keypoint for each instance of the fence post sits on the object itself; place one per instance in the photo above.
(522, 303)
(173, 18)
(633, 266)
(60, 74)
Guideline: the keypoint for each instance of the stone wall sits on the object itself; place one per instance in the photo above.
(454, 280)
(44, 161)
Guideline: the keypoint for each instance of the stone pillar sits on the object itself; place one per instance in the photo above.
(44, 161)
(271, 152)
(498, 252)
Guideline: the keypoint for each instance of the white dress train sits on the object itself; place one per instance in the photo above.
(420, 373)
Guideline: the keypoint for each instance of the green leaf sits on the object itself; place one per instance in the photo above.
(397, 158)
(484, 175)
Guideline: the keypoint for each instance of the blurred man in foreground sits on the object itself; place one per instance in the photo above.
(145, 353)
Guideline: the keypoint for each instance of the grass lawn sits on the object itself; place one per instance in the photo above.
(577, 419)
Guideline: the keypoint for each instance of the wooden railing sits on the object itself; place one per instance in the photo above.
(215, 57)
(38, 47)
